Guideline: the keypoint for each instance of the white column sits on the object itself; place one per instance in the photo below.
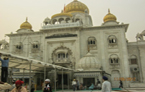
(62, 80)
(68, 79)
(44, 73)
(30, 76)
(55, 79)
(124, 60)
(23, 74)
(142, 58)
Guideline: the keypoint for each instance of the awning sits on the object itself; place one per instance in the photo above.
(23, 63)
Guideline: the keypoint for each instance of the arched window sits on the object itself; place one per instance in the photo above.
(77, 20)
(19, 46)
(61, 21)
(61, 55)
(35, 46)
(91, 41)
(114, 59)
(112, 39)
(133, 59)
(68, 20)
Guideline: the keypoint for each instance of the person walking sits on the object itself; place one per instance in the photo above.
(19, 87)
(121, 84)
(4, 69)
(106, 86)
(74, 83)
(78, 85)
(32, 86)
(47, 87)
(98, 84)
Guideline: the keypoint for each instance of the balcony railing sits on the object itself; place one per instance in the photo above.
(61, 60)
(65, 25)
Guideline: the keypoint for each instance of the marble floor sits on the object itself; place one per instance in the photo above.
(101, 91)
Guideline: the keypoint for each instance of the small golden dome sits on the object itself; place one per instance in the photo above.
(26, 25)
(109, 17)
(61, 14)
(76, 6)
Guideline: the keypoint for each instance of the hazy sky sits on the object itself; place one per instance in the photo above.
(14, 12)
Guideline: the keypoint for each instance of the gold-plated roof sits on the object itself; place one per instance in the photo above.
(75, 6)
(61, 14)
(26, 25)
(109, 17)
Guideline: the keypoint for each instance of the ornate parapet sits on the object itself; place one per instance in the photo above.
(65, 25)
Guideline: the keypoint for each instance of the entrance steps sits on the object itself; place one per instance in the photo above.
(134, 89)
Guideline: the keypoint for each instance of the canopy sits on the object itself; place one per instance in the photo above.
(20, 62)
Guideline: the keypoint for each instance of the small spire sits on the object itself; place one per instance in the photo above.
(75, 0)
(108, 10)
(26, 19)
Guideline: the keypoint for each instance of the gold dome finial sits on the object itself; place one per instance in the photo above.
(26, 25)
(109, 17)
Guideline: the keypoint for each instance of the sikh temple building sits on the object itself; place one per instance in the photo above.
(70, 39)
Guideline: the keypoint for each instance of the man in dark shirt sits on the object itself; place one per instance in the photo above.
(121, 84)
(4, 70)
(47, 87)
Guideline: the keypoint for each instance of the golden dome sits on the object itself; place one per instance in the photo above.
(61, 14)
(26, 25)
(76, 6)
(109, 17)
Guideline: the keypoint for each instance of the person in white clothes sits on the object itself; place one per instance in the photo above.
(106, 86)
(74, 83)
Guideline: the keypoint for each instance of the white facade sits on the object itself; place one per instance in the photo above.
(64, 40)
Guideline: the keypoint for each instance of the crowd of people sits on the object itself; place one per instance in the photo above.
(106, 85)
(47, 87)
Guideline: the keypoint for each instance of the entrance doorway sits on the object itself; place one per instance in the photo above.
(88, 81)
(65, 79)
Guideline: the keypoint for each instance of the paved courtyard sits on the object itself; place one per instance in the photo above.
(111, 91)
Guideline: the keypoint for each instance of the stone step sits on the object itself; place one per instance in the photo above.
(135, 88)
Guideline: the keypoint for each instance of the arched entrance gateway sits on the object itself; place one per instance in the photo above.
(115, 75)
(63, 56)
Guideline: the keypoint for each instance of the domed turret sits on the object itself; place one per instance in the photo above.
(26, 25)
(89, 62)
(46, 21)
(109, 17)
(76, 6)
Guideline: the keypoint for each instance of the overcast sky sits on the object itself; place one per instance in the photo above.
(14, 12)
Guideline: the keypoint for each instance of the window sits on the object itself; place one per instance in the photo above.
(61, 55)
(19, 46)
(112, 39)
(35, 45)
(67, 55)
(133, 59)
(91, 41)
(114, 59)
